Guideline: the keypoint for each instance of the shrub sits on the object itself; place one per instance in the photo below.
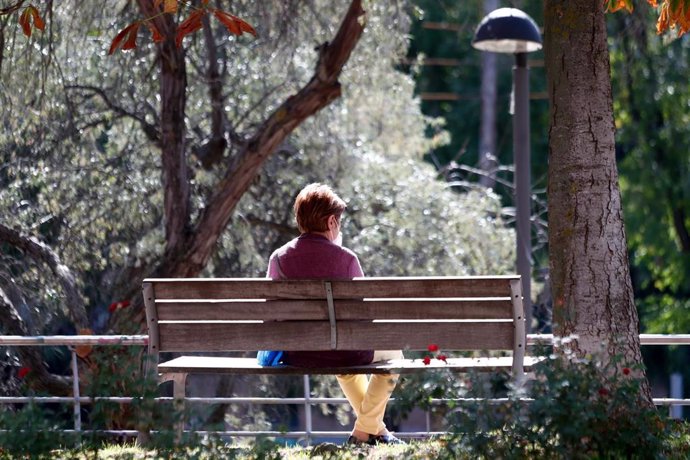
(573, 408)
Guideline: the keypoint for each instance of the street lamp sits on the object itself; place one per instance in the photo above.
(509, 30)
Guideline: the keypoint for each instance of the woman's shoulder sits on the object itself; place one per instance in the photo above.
(349, 252)
(290, 245)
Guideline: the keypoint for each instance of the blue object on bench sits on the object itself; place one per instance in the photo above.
(269, 358)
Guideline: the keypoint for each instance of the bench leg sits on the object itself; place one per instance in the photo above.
(179, 389)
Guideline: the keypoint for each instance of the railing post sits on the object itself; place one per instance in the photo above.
(75, 392)
(675, 410)
(307, 409)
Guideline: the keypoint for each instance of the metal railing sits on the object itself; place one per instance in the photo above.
(307, 401)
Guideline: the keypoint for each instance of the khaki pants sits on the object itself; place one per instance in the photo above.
(368, 396)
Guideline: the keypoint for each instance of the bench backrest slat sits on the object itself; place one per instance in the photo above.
(279, 310)
(310, 335)
(252, 288)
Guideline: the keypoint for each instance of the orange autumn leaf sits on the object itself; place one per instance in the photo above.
(29, 15)
(170, 6)
(189, 25)
(615, 5)
(234, 24)
(129, 32)
(84, 350)
(672, 15)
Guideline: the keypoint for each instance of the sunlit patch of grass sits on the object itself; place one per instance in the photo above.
(412, 450)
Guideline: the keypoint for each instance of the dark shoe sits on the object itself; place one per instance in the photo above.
(385, 439)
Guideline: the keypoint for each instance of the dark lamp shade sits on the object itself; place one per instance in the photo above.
(507, 30)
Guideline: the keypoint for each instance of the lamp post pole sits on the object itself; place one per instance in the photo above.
(509, 30)
(522, 179)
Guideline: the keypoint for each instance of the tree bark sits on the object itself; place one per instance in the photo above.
(40, 252)
(173, 87)
(590, 278)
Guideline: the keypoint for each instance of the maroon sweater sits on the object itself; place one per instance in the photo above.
(311, 256)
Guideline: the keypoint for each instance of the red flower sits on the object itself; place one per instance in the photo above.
(23, 372)
(626, 370)
(427, 360)
(432, 347)
(118, 305)
(603, 391)
(443, 358)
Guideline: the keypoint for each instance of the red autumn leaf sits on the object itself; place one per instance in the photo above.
(426, 360)
(156, 34)
(23, 372)
(443, 358)
(235, 25)
(39, 23)
(189, 25)
(118, 305)
(29, 15)
(131, 42)
(130, 32)
(433, 347)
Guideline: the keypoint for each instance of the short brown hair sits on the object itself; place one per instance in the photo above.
(314, 204)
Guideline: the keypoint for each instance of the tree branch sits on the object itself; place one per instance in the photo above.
(318, 93)
(679, 218)
(41, 252)
(212, 151)
(40, 379)
(12, 8)
(150, 130)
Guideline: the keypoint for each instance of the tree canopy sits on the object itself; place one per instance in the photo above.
(83, 154)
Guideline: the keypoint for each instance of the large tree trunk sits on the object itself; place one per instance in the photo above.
(173, 87)
(590, 278)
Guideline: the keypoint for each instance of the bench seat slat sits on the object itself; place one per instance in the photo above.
(218, 288)
(222, 365)
(346, 309)
(352, 335)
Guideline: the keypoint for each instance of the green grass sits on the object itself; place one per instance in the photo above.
(261, 450)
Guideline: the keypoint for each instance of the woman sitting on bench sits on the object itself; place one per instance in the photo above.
(317, 254)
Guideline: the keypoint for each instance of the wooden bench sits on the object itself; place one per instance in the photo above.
(230, 315)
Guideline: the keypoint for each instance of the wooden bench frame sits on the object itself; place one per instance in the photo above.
(194, 315)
